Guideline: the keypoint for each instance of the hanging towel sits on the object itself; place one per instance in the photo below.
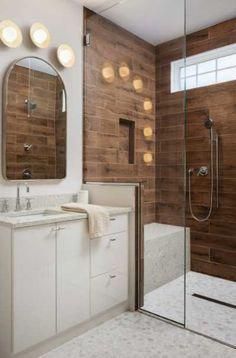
(98, 217)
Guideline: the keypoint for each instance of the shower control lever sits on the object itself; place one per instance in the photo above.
(203, 171)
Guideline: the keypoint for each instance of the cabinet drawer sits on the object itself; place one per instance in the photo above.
(118, 223)
(107, 291)
(109, 253)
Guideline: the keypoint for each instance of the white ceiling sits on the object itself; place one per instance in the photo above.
(158, 21)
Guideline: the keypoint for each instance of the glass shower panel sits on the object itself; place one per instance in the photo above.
(134, 130)
(165, 238)
(211, 171)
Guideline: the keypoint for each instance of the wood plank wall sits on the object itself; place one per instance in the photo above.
(105, 141)
(213, 243)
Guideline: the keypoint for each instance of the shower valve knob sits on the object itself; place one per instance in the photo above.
(203, 171)
(27, 147)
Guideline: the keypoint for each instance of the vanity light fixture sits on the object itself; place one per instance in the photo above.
(108, 72)
(40, 35)
(138, 84)
(147, 158)
(10, 34)
(124, 71)
(147, 105)
(66, 55)
(147, 132)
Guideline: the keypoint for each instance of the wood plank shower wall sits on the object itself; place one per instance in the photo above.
(106, 144)
(213, 243)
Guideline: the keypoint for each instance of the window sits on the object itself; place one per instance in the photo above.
(205, 69)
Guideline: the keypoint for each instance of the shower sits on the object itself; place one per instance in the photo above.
(203, 171)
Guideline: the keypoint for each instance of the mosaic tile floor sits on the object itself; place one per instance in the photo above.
(135, 335)
(202, 316)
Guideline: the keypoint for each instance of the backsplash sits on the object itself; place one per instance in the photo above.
(42, 201)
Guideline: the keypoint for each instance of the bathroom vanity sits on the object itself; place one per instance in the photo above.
(53, 277)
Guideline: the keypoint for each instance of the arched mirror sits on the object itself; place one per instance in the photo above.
(34, 121)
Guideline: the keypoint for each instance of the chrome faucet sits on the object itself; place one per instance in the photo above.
(18, 201)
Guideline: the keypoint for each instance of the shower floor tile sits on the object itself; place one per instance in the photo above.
(209, 318)
(135, 335)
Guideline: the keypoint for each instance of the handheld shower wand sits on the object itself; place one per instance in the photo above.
(203, 171)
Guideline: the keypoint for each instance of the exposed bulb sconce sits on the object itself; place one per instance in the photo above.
(65, 55)
(147, 132)
(147, 158)
(108, 72)
(10, 34)
(138, 84)
(39, 35)
(124, 71)
(147, 105)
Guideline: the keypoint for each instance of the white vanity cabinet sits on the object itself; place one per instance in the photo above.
(49, 274)
(53, 278)
(50, 280)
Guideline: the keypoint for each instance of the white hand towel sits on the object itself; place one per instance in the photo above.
(98, 217)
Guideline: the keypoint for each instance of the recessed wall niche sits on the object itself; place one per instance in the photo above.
(126, 141)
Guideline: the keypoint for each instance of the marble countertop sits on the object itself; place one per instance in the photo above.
(50, 215)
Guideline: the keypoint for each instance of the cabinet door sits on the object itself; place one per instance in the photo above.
(72, 274)
(34, 282)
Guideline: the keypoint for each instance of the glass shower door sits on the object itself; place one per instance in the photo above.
(210, 80)
(165, 239)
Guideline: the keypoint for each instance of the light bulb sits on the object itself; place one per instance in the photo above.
(147, 105)
(124, 71)
(10, 34)
(108, 72)
(147, 132)
(65, 55)
(147, 158)
(138, 84)
(40, 35)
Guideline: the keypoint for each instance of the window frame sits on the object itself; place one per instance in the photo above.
(202, 57)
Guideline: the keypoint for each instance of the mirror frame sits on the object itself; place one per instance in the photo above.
(3, 120)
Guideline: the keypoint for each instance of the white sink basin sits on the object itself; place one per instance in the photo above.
(34, 213)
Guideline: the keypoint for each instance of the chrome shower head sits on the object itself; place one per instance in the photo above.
(208, 123)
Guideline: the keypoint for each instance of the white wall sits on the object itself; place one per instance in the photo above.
(64, 19)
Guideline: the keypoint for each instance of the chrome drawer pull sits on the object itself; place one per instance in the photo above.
(58, 229)
(112, 240)
(112, 219)
(112, 276)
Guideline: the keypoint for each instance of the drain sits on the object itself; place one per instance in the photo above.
(214, 300)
